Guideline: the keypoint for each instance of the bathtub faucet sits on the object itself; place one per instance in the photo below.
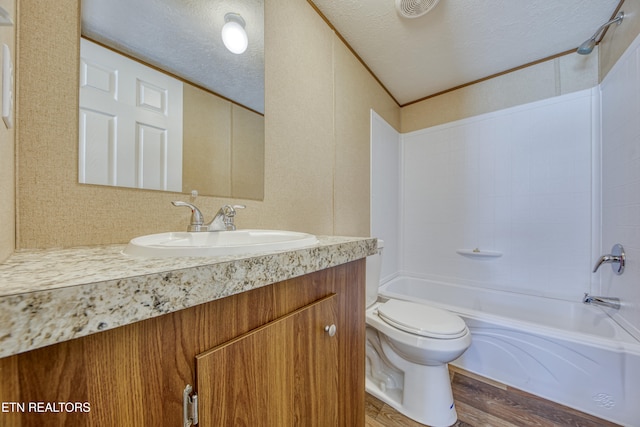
(604, 301)
(616, 259)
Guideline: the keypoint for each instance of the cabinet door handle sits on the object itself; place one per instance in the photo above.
(330, 329)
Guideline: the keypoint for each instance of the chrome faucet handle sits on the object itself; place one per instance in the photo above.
(617, 256)
(223, 219)
(229, 214)
(197, 220)
(604, 259)
(230, 210)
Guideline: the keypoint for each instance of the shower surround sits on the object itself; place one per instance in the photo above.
(520, 183)
(517, 182)
(546, 187)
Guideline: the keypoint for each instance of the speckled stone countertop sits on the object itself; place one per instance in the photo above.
(50, 296)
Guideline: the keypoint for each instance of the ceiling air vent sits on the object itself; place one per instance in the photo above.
(415, 8)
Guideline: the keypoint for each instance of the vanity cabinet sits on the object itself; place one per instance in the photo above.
(261, 357)
(284, 373)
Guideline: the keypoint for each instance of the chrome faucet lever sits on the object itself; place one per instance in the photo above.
(197, 220)
(229, 215)
(610, 302)
(223, 220)
(616, 257)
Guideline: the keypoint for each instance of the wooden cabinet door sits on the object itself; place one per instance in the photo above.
(284, 373)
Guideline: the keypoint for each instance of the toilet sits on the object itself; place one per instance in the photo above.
(408, 347)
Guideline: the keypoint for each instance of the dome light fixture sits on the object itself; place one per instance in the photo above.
(234, 35)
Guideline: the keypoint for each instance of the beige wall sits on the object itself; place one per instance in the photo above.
(356, 95)
(206, 146)
(223, 147)
(247, 154)
(318, 98)
(7, 162)
(619, 37)
(309, 176)
(555, 77)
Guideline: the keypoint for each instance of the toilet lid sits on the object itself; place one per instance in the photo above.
(421, 319)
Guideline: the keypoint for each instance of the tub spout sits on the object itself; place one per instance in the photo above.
(610, 302)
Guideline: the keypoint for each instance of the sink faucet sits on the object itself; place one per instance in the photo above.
(223, 219)
(604, 301)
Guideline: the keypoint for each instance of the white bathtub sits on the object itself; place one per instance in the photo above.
(564, 351)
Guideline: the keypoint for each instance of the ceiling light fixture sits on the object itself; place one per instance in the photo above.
(234, 35)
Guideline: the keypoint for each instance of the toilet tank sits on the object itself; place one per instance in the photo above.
(374, 263)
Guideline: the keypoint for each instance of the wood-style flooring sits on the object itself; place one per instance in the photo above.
(484, 403)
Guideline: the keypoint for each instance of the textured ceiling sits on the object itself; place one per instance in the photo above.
(183, 37)
(460, 41)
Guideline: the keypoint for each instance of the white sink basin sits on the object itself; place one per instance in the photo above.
(179, 244)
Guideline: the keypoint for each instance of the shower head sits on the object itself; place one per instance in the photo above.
(587, 47)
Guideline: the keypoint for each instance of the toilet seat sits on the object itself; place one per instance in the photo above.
(422, 320)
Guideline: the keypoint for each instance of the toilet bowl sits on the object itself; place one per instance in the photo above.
(408, 348)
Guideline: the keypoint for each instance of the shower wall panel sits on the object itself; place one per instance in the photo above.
(385, 192)
(517, 182)
(620, 97)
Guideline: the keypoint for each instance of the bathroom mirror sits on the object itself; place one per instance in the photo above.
(219, 121)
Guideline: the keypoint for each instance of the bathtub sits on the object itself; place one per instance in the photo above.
(564, 351)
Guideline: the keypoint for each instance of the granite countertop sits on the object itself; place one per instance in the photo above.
(54, 295)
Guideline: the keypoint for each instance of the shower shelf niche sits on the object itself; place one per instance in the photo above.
(473, 253)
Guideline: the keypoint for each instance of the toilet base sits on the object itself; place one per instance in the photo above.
(422, 392)
(432, 404)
